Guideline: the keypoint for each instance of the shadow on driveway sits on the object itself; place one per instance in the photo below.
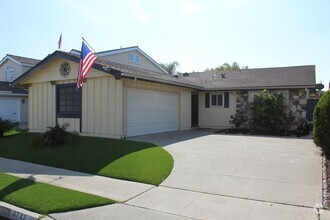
(168, 138)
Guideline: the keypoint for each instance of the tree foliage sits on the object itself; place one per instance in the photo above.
(170, 67)
(239, 119)
(225, 67)
(321, 123)
(267, 111)
(6, 125)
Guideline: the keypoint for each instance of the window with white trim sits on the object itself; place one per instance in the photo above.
(217, 100)
(133, 58)
(137, 58)
(10, 74)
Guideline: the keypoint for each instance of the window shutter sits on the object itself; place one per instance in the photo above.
(207, 100)
(226, 99)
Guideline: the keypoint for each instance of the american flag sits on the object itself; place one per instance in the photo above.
(59, 47)
(87, 59)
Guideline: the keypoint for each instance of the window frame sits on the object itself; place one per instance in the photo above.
(217, 100)
(10, 70)
(68, 114)
(134, 58)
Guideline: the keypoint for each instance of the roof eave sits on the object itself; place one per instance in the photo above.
(134, 76)
(59, 54)
(10, 58)
(259, 88)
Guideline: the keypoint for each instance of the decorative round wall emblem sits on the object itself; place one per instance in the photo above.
(65, 69)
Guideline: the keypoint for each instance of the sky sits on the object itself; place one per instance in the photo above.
(199, 34)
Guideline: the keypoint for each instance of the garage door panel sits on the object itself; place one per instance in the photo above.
(151, 111)
(9, 108)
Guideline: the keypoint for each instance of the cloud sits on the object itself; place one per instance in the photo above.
(139, 11)
(189, 7)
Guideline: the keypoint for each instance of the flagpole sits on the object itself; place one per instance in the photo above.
(89, 45)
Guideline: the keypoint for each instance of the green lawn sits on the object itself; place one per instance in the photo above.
(43, 198)
(15, 131)
(122, 159)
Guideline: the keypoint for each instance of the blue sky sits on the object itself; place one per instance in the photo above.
(197, 34)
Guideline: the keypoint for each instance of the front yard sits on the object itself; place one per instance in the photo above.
(121, 159)
(43, 198)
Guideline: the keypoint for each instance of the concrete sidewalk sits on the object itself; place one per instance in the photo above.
(119, 190)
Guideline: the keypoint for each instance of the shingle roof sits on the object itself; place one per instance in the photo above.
(130, 71)
(276, 77)
(6, 87)
(264, 78)
(24, 60)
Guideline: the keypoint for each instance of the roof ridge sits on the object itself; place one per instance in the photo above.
(259, 68)
(12, 55)
(121, 48)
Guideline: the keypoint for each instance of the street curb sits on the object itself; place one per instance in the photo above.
(17, 213)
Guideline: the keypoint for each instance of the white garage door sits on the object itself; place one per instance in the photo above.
(9, 108)
(151, 112)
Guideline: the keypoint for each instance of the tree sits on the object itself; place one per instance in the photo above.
(267, 110)
(225, 67)
(321, 123)
(170, 67)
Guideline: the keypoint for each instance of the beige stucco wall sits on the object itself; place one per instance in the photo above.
(102, 101)
(215, 117)
(123, 58)
(184, 94)
(17, 69)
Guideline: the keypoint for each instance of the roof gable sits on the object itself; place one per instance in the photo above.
(130, 49)
(25, 61)
(64, 55)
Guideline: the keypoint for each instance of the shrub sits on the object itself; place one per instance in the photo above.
(267, 110)
(238, 119)
(55, 136)
(6, 125)
(321, 123)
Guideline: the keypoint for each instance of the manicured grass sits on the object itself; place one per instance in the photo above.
(43, 198)
(122, 159)
(15, 131)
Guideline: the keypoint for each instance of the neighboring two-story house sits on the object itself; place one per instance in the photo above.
(14, 101)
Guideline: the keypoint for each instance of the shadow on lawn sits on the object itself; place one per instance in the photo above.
(86, 155)
(15, 186)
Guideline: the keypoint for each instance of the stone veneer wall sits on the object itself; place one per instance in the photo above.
(297, 104)
(242, 99)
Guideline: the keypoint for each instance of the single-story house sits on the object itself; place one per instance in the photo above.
(14, 101)
(119, 100)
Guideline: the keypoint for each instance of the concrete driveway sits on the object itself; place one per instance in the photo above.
(214, 177)
(237, 177)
